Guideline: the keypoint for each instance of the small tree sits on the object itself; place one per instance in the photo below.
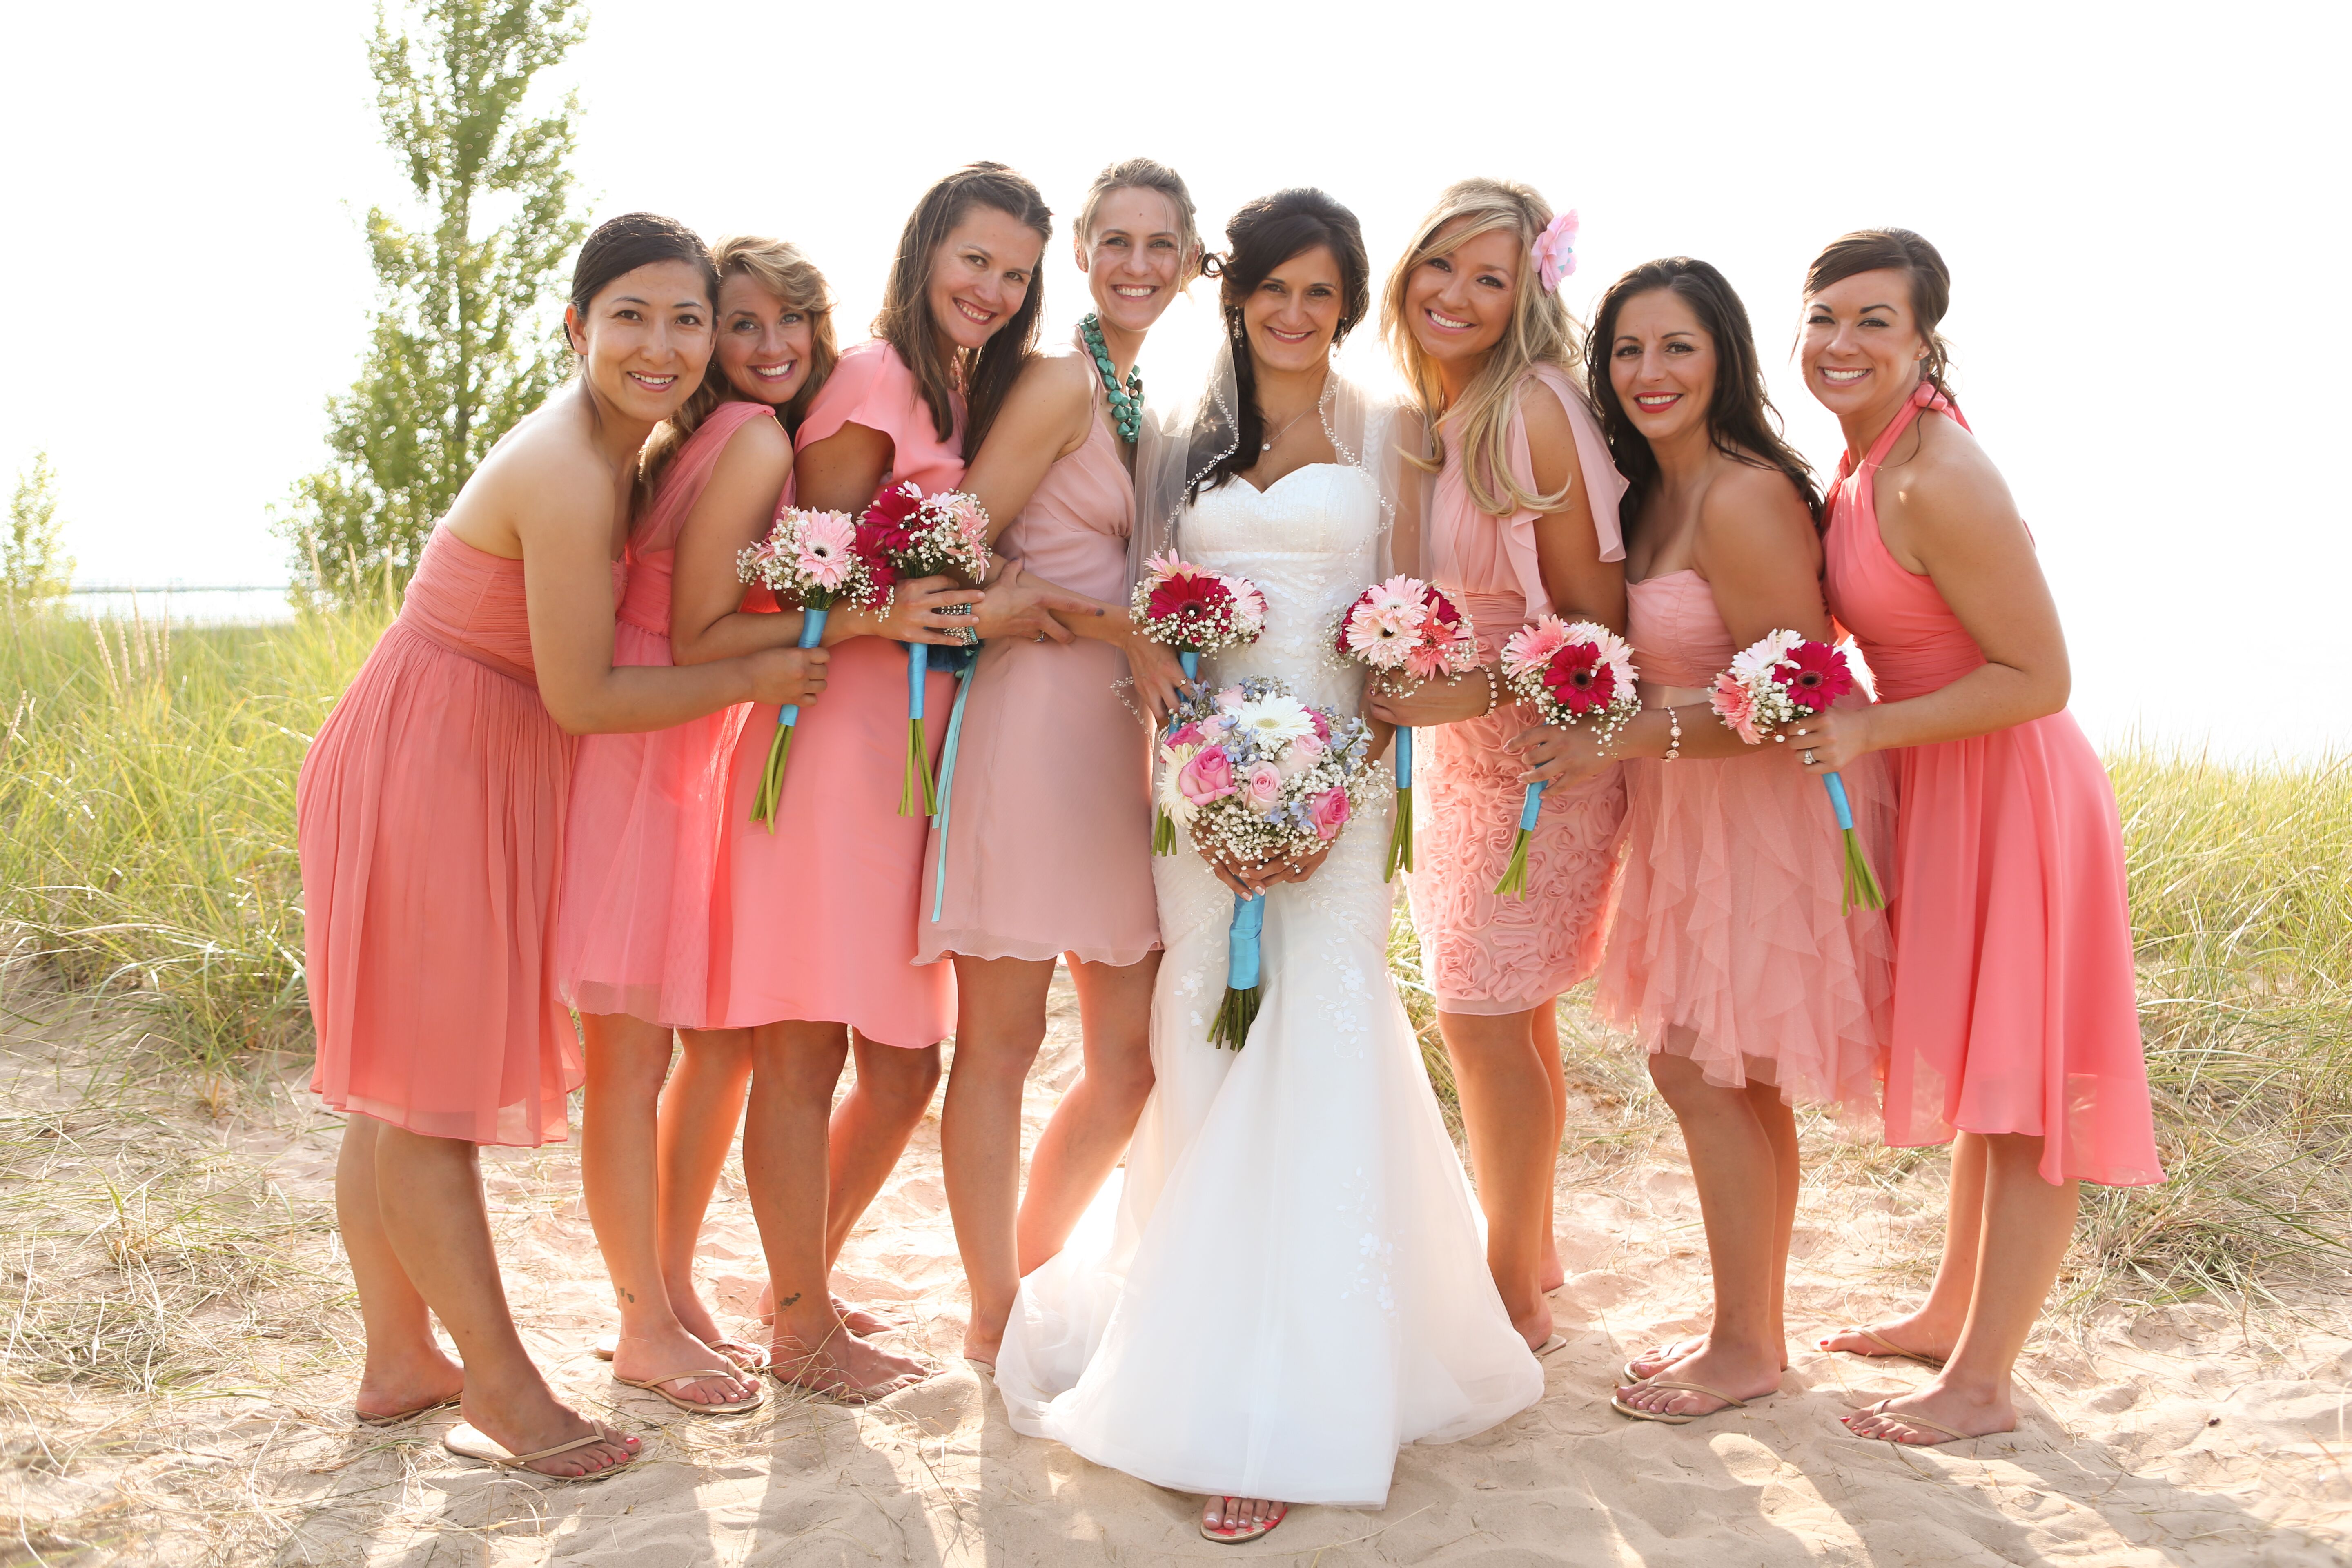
(34, 569)
(461, 345)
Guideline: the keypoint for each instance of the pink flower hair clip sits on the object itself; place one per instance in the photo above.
(1554, 251)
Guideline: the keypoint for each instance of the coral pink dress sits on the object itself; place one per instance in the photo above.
(1728, 945)
(1047, 832)
(430, 820)
(1482, 954)
(642, 842)
(2014, 1009)
(815, 921)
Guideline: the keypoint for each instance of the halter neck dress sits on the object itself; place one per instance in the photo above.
(645, 829)
(1483, 952)
(2013, 1007)
(429, 817)
(1047, 831)
(815, 921)
(1730, 945)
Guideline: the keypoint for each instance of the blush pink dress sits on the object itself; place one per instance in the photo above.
(641, 841)
(1047, 838)
(815, 921)
(1483, 953)
(1728, 945)
(429, 815)
(2014, 1009)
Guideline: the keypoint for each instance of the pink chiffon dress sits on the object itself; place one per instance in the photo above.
(429, 817)
(1046, 844)
(815, 921)
(2014, 1008)
(641, 841)
(1482, 954)
(1729, 946)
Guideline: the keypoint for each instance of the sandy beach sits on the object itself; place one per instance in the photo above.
(183, 1343)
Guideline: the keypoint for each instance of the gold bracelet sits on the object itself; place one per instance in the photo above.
(1493, 691)
(1673, 737)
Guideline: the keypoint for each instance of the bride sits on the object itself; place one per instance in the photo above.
(1294, 1283)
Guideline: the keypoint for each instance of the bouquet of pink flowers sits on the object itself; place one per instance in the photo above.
(911, 534)
(1195, 611)
(1254, 774)
(1404, 626)
(812, 558)
(1773, 683)
(1576, 675)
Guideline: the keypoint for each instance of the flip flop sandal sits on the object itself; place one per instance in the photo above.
(398, 1417)
(1894, 1352)
(1671, 1418)
(754, 1360)
(1246, 1532)
(472, 1443)
(1908, 1419)
(840, 1395)
(1557, 1342)
(752, 1401)
(1627, 1376)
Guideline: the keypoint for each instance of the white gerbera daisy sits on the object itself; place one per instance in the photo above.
(1274, 720)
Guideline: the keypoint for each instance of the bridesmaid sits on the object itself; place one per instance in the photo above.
(1522, 522)
(1730, 957)
(818, 955)
(2015, 1031)
(1044, 849)
(634, 931)
(430, 820)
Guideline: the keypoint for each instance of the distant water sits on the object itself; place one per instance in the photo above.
(186, 606)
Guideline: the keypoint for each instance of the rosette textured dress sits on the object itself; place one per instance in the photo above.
(645, 831)
(816, 920)
(1046, 839)
(1484, 952)
(429, 816)
(1730, 945)
(2013, 1007)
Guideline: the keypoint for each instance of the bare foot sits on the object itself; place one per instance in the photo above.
(546, 1423)
(1550, 1274)
(844, 1368)
(390, 1390)
(1936, 1414)
(865, 1322)
(667, 1358)
(1651, 1362)
(696, 1318)
(1913, 1338)
(1241, 1517)
(1742, 1375)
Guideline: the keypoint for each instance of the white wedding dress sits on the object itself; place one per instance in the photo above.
(1290, 1280)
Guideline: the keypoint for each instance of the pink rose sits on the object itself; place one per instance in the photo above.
(1328, 812)
(1190, 735)
(1309, 748)
(1263, 782)
(1208, 776)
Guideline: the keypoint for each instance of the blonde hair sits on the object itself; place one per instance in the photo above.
(1147, 175)
(779, 267)
(1540, 331)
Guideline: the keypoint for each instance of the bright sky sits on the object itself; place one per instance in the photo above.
(2143, 207)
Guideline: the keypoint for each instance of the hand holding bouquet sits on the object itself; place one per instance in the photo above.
(1256, 775)
(1195, 611)
(1778, 680)
(811, 559)
(910, 534)
(1576, 675)
(1404, 625)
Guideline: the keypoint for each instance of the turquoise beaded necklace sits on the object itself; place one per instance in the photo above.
(1125, 404)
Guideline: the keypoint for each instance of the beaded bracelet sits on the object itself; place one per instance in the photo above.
(1494, 690)
(1674, 736)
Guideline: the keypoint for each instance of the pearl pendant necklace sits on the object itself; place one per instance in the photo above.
(1126, 403)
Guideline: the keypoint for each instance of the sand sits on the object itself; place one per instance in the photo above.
(2182, 1434)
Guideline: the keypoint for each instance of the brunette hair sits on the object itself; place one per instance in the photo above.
(1540, 331)
(1147, 175)
(779, 267)
(1922, 266)
(1741, 422)
(1264, 235)
(621, 244)
(985, 375)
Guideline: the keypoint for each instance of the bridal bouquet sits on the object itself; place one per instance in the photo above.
(1255, 775)
(812, 558)
(1575, 674)
(1778, 680)
(910, 534)
(1405, 624)
(1195, 611)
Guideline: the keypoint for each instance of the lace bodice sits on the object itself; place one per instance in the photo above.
(1311, 542)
